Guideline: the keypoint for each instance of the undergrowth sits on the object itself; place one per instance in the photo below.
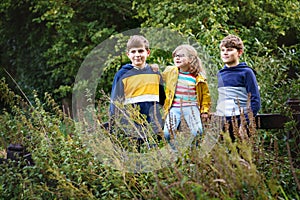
(69, 162)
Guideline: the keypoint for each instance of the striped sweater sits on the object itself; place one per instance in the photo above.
(185, 93)
(234, 85)
(141, 87)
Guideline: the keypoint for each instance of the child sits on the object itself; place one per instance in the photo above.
(235, 81)
(135, 84)
(187, 94)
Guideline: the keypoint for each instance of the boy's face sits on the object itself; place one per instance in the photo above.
(230, 56)
(138, 56)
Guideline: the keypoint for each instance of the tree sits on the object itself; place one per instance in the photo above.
(269, 30)
(43, 43)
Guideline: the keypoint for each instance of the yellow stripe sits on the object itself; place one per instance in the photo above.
(141, 84)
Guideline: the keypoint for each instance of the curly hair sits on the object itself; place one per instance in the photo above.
(232, 41)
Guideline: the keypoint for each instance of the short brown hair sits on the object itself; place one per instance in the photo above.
(232, 41)
(136, 41)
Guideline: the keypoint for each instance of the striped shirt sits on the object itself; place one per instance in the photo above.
(185, 93)
(234, 85)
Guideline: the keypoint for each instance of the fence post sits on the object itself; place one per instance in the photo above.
(294, 104)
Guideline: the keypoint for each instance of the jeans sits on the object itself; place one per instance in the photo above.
(191, 115)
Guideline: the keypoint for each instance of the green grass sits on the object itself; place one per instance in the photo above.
(72, 164)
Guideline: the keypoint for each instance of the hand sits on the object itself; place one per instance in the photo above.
(154, 67)
(205, 117)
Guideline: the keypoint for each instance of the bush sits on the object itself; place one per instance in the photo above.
(65, 168)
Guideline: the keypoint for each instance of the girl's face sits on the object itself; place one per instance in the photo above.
(181, 60)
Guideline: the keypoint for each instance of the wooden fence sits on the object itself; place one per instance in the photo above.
(264, 121)
(276, 120)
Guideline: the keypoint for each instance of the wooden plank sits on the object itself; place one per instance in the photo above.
(274, 121)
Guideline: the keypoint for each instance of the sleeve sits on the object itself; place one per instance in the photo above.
(162, 94)
(163, 75)
(252, 88)
(117, 92)
(205, 100)
(166, 72)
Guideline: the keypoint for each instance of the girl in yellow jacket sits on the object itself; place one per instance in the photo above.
(187, 93)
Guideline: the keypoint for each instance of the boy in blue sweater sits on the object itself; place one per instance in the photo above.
(137, 85)
(235, 82)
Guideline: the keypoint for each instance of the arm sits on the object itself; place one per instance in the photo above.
(205, 99)
(117, 93)
(205, 102)
(162, 94)
(252, 88)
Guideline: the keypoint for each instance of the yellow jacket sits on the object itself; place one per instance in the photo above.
(170, 77)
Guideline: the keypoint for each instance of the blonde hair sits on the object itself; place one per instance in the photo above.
(136, 41)
(192, 54)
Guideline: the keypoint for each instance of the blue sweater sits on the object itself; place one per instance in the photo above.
(234, 85)
(139, 87)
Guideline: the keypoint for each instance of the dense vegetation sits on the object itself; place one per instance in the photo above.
(43, 45)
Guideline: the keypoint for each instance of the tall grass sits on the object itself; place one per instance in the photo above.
(67, 166)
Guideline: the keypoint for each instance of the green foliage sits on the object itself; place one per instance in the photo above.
(45, 47)
(278, 78)
(271, 46)
(66, 168)
(262, 26)
(261, 19)
(63, 167)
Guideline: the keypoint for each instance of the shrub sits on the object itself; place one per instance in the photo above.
(66, 168)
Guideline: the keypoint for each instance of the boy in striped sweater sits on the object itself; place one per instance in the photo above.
(138, 86)
(235, 82)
